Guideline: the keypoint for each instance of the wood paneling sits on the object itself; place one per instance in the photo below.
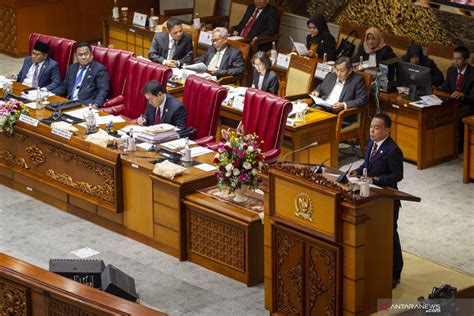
(468, 173)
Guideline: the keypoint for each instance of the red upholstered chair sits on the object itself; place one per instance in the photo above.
(132, 103)
(62, 49)
(265, 114)
(202, 100)
(115, 60)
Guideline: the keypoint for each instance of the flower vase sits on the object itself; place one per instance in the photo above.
(240, 196)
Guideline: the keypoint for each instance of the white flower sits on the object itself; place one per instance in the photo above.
(254, 172)
(250, 149)
(236, 172)
(217, 156)
(227, 174)
(247, 165)
(229, 167)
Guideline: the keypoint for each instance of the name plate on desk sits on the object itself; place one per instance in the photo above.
(283, 60)
(139, 19)
(322, 70)
(205, 38)
(62, 133)
(28, 120)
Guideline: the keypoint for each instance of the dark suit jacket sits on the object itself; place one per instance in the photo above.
(265, 25)
(159, 48)
(232, 62)
(48, 77)
(94, 88)
(386, 164)
(270, 81)
(382, 54)
(174, 113)
(467, 87)
(353, 93)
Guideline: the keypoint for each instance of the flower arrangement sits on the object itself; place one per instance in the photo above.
(9, 113)
(238, 160)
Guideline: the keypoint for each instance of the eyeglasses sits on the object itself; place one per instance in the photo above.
(216, 39)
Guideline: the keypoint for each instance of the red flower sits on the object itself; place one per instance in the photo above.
(260, 157)
(236, 163)
(215, 160)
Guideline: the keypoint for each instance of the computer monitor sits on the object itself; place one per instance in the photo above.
(416, 77)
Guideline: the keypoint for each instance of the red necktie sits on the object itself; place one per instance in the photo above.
(459, 84)
(374, 150)
(157, 116)
(246, 30)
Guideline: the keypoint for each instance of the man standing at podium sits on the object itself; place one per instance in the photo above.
(384, 163)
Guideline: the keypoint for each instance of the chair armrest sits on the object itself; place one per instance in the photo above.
(212, 146)
(115, 101)
(228, 79)
(271, 156)
(205, 140)
(345, 113)
(295, 97)
(175, 12)
(262, 40)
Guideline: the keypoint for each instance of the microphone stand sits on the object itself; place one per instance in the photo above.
(299, 149)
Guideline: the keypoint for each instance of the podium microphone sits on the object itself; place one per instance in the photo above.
(343, 177)
(319, 169)
(299, 149)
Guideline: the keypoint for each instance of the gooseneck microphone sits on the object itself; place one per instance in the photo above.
(319, 169)
(299, 149)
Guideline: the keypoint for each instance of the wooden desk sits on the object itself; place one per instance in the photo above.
(468, 173)
(98, 184)
(318, 126)
(37, 291)
(427, 136)
(124, 35)
(224, 238)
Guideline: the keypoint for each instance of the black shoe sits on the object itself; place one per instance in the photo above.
(395, 282)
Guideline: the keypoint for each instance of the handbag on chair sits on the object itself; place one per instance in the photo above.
(346, 47)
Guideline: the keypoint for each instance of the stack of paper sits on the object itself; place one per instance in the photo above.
(427, 100)
(158, 133)
(177, 144)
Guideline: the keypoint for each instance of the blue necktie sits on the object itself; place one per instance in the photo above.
(77, 82)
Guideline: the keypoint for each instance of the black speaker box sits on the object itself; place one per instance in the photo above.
(82, 270)
(118, 283)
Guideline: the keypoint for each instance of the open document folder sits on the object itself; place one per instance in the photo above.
(198, 67)
(320, 102)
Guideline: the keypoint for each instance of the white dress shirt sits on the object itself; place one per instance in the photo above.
(29, 76)
(216, 59)
(335, 94)
(260, 81)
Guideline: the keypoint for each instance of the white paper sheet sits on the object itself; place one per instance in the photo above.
(206, 167)
(177, 144)
(199, 67)
(320, 102)
(85, 252)
(145, 146)
(300, 47)
(198, 151)
(79, 113)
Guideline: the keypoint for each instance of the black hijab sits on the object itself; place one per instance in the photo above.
(413, 50)
(320, 21)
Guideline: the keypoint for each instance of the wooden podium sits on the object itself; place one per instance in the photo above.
(327, 251)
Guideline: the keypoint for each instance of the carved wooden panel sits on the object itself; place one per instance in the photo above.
(58, 308)
(306, 274)
(14, 299)
(289, 273)
(322, 280)
(8, 30)
(307, 65)
(8, 156)
(217, 240)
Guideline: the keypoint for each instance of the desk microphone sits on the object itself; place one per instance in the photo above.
(299, 149)
(319, 169)
(343, 177)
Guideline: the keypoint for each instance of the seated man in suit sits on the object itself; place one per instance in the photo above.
(172, 48)
(259, 20)
(222, 59)
(39, 70)
(384, 163)
(341, 90)
(460, 83)
(86, 80)
(162, 107)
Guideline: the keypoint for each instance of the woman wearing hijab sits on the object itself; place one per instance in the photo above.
(320, 41)
(374, 50)
(415, 56)
(263, 77)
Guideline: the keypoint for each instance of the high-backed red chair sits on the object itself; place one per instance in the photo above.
(265, 114)
(62, 49)
(115, 60)
(132, 103)
(202, 100)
